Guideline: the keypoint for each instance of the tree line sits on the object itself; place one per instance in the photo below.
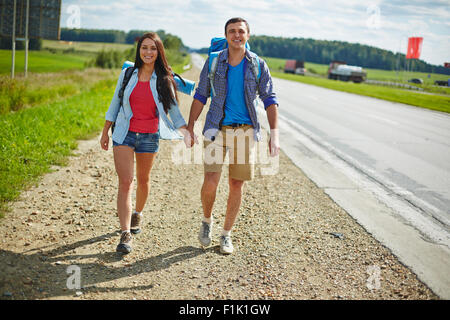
(323, 52)
(118, 36)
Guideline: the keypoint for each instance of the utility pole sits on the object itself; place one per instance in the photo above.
(27, 41)
(13, 38)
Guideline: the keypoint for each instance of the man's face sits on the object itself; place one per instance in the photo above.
(237, 35)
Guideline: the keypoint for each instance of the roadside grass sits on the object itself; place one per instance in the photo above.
(61, 108)
(34, 139)
(424, 100)
(178, 62)
(38, 88)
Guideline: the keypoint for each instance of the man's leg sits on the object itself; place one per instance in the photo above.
(208, 192)
(233, 203)
(241, 169)
(214, 156)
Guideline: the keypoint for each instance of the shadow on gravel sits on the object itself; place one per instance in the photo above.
(40, 274)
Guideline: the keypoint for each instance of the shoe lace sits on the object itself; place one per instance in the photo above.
(126, 237)
(226, 241)
(206, 229)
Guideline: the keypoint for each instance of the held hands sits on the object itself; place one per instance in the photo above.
(189, 136)
(274, 143)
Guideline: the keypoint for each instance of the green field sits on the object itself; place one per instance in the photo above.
(424, 100)
(56, 56)
(91, 47)
(435, 98)
(277, 64)
(41, 61)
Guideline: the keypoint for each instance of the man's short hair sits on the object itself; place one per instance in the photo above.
(234, 20)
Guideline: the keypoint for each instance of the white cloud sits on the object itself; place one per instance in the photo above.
(196, 21)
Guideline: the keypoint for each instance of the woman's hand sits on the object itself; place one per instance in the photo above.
(104, 141)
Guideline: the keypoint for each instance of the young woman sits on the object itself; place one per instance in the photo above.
(139, 124)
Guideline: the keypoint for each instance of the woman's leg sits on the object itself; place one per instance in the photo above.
(124, 163)
(144, 164)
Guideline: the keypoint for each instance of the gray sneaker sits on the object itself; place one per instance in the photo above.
(204, 236)
(125, 243)
(226, 246)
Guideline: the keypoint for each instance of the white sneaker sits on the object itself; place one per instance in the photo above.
(226, 246)
(204, 236)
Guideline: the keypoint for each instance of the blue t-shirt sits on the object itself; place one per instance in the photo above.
(235, 108)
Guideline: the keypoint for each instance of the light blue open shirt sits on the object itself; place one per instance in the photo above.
(122, 116)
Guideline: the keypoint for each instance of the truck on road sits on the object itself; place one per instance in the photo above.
(295, 67)
(339, 70)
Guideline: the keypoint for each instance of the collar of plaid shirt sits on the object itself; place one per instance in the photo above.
(215, 113)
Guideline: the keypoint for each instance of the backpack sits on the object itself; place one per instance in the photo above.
(217, 45)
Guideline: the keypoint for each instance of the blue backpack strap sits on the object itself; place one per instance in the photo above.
(256, 69)
(212, 67)
(126, 79)
(258, 66)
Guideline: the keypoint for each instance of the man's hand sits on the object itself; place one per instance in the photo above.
(274, 143)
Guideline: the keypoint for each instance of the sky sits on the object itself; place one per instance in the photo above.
(385, 24)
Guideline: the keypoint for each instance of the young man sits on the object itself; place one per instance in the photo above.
(232, 117)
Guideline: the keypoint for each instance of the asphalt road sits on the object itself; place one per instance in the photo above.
(404, 149)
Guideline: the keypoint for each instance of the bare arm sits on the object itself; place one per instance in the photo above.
(104, 140)
(272, 117)
(196, 110)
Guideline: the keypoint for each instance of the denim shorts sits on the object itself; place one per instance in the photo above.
(141, 142)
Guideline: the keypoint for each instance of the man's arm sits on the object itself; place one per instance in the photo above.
(200, 98)
(274, 142)
(196, 110)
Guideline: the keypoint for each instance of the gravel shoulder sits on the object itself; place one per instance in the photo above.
(291, 240)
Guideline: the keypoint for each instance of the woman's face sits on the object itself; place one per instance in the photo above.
(148, 51)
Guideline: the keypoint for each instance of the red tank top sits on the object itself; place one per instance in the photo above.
(144, 119)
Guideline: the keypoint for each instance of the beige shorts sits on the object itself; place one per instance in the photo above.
(241, 146)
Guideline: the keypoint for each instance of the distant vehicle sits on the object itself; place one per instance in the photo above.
(295, 67)
(442, 82)
(416, 80)
(339, 70)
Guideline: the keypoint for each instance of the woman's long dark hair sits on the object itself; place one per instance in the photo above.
(165, 84)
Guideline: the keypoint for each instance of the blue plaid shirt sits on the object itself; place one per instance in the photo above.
(215, 114)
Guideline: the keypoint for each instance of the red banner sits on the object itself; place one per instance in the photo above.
(414, 47)
(447, 64)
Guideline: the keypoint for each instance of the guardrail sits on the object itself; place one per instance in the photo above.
(393, 84)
